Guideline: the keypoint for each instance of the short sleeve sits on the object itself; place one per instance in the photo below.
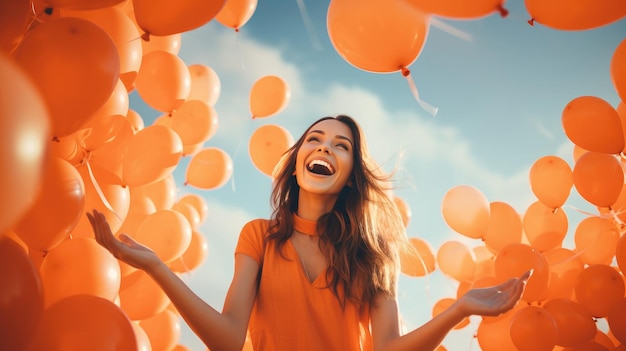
(251, 237)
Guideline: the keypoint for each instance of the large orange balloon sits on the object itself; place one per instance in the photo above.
(466, 210)
(593, 124)
(163, 81)
(24, 121)
(167, 232)
(516, 259)
(618, 70)
(505, 226)
(551, 180)
(598, 178)
(575, 14)
(460, 9)
(57, 208)
(85, 322)
(574, 323)
(78, 53)
(266, 146)
(544, 227)
(205, 84)
(209, 169)
(269, 95)
(595, 239)
(151, 155)
(163, 17)
(599, 288)
(377, 36)
(236, 13)
(21, 297)
(79, 266)
(15, 17)
(417, 259)
(533, 329)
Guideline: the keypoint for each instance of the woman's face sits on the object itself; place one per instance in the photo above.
(324, 161)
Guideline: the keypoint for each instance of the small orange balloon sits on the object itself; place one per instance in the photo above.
(163, 330)
(551, 180)
(456, 260)
(266, 146)
(598, 178)
(417, 259)
(236, 13)
(494, 335)
(617, 320)
(618, 70)
(516, 259)
(595, 239)
(209, 169)
(194, 256)
(620, 254)
(205, 84)
(443, 304)
(565, 266)
(505, 226)
(466, 210)
(194, 121)
(269, 96)
(163, 81)
(544, 227)
(198, 202)
(593, 124)
(141, 297)
(167, 232)
(599, 288)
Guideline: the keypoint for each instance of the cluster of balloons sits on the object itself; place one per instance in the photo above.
(570, 288)
(74, 144)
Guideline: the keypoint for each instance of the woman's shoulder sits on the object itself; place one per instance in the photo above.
(257, 225)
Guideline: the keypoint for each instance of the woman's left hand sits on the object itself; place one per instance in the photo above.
(495, 300)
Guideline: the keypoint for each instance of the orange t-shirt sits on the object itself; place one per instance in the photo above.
(290, 313)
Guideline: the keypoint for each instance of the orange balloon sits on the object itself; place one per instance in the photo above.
(103, 194)
(599, 288)
(443, 304)
(79, 266)
(417, 259)
(494, 335)
(575, 14)
(198, 202)
(466, 210)
(24, 122)
(551, 180)
(505, 226)
(169, 43)
(190, 213)
(15, 17)
(180, 347)
(163, 81)
(595, 239)
(236, 13)
(267, 145)
(162, 193)
(124, 34)
(545, 227)
(110, 155)
(194, 121)
(577, 152)
(21, 296)
(456, 260)
(84, 322)
(593, 124)
(162, 329)
(163, 17)
(405, 210)
(574, 323)
(78, 53)
(194, 256)
(143, 342)
(618, 70)
(620, 254)
(377, 36)
(516, 259)
(151, 155)
(621, 112)
(565, 266)
(57, 208)
(484, 262)
(140, 206)
(209, 169)
(82, 4)
(205, 84)
(460, 9)
(598, 178)
(617, 320)
(269, 95)
(135, 119)
(533, 329)
(167, 232)
(141, 297)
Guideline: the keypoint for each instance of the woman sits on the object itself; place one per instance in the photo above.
(321, 274)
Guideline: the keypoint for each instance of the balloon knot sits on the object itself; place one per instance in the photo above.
(531, 21)
(48, 11)
(237, 30)
(145, 36)
(405, 71)
(56, 139)
(185, 183)
(503, 11)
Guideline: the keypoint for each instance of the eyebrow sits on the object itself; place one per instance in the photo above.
(338, 136)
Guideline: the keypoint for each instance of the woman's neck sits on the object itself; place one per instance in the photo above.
(313, 206)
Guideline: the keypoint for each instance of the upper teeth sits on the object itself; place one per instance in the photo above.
(321, 163)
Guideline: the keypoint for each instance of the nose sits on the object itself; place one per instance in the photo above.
(323, 148)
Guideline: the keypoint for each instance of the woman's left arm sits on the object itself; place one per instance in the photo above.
(492, 301)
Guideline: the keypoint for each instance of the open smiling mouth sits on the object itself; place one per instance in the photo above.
(320, 167)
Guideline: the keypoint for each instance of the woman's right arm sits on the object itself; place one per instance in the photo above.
(219, 331)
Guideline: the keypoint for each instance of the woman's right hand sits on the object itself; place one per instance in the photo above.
(125, 249)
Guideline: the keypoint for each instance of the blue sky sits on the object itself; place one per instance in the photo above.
(500, 89)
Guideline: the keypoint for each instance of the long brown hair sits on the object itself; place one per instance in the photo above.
(360, 236)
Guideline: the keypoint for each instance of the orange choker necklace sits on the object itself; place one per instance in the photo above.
(304, 226)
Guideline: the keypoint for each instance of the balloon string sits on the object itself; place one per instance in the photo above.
(426, 106)
(308, 25)
(100, 192)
